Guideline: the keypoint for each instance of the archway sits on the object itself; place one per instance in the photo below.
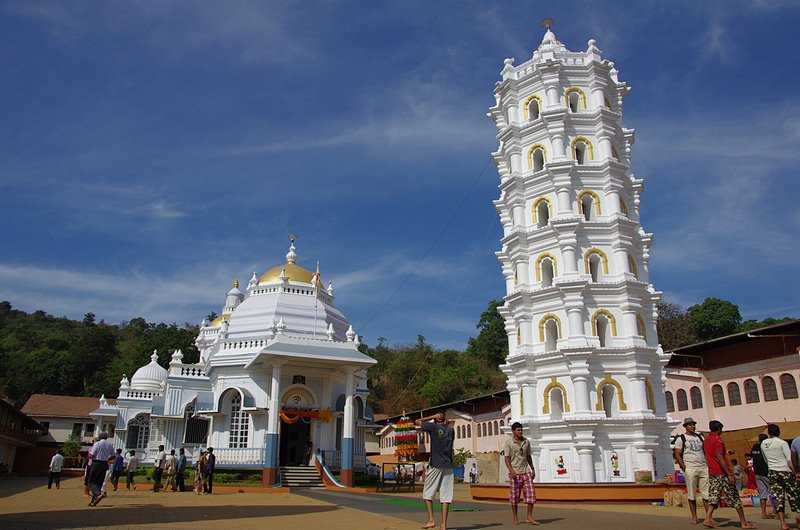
(295, 434)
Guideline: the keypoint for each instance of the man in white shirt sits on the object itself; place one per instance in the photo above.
(56, 465)
(130, 467)
(782, 480)
(169, 468)
(159, 464)
(102, 450)
(689, 454)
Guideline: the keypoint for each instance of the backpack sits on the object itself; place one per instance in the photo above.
(683, 439)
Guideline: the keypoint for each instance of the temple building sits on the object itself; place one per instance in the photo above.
(585, 368)
(279, 368)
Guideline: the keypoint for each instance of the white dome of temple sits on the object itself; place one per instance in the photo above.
(150, 377)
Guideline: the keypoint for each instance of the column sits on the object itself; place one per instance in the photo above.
(568, 253)
(564, 203)
(638, 389)
(514, 397)
(513, 114)
(529, 400)
(518, 215)
(559, 152)
(646, 461)
(586, 460)
(347, 429)
(575, 320)
(270, 473)
(516, 166)
(552, 96)
(582, 402)
(612, 201)
(525, 329)
(605, 147)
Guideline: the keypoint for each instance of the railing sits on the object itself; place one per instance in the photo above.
(240, 457)
(192, 370)
(333, 460)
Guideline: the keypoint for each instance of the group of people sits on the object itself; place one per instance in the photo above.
(439, 473)
(106, 465)
(169, 471)
(706, 469)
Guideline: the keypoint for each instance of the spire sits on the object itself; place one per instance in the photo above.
(154, 357)
(177, 357)
(330, 288)
(315, 277)
(351, 334)
(103, 401)
(331, 333)
(283, 276)
(204, 323)
(549, 36)
(253, 281)
(235, 283)
(124, 383)
(291, 256)
(281, 327)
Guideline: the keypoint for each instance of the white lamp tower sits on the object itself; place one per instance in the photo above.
(585, 368)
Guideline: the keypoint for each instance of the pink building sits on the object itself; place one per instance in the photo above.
(744, 380)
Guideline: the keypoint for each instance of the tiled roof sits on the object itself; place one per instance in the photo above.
(47, 405)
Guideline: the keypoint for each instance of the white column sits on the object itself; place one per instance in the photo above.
(586, 460)
(516, 159)
(525, 328)
(523, 273)
(575, 319)
(582, 402)
(514, 396)
(529, 399)
(646, 461)
(564, 202)
(638, 389)
(568, 257)
(552, 96)
(347, 428)
(513, 114)
(612, 202)
(518, 215)
(605, 147)
(559, 152)
(273, 420)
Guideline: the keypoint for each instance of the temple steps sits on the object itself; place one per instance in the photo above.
(300, 477)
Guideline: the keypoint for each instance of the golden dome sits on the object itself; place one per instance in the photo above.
(293, 272)
(219, 320)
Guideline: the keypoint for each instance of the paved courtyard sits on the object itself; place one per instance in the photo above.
(26, 503)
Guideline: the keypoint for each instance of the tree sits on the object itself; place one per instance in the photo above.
(714, 318)
(749, 325)
(674, 327)
(491, 344)
(71, 447)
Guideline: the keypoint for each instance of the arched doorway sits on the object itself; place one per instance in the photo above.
(295, 432)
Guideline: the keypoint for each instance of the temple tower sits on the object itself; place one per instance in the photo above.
(585, 368)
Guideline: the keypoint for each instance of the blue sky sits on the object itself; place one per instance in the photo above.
(152, 151)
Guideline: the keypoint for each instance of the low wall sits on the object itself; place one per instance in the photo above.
(579, 492)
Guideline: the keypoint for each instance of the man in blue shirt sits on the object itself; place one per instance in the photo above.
(118, 469)
(180, 469)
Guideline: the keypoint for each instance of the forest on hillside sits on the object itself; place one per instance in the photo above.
(42, 353)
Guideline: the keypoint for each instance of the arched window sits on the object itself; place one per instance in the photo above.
(633, 268)
(670, 401)
(651, 397)
(641, 329)
(547, 272)
(718, 396)
(696, 397)
(533, 108)
(610, 400)
(575, 99)
(788, 386)
(239, 428)
(604, 326)
(589, 205)
(496, 428)
(683, 403)
(734, 396)
(556, 404)
(469, 431)
(595, 262)
(541, 212)
(195, 428)
(582, 151)
(501, 423)
(770, 390)
(537, 158)
(519, 336)
(138, 432)
(751, 391)
(549, 331)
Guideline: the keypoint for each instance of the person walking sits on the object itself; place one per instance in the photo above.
(180, 470)
(782, 474)
(439, 475)
(199, 474)
(101, 451)
(56, 465)
(131, 467)
(762, 482)
(473, 474)
(211, 462)
(170, 469)
(117, 469)
(720, 478)
(517, 453)
(691, 459)
(158, 472)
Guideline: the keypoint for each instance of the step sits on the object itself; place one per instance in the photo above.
(301, 477)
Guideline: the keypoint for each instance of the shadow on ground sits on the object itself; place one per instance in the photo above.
(110, 515)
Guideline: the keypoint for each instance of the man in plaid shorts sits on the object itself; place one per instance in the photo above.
(517, 453)
(720, 478)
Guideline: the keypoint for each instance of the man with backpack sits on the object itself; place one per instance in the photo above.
(762, 482)
(692, 461)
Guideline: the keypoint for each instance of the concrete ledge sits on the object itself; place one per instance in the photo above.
(579, 492)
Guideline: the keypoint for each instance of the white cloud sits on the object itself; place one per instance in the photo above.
(714, 44)
(157, 210)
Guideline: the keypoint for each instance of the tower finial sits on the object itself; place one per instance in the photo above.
(547, 23)
(291, 256)
(236, 284)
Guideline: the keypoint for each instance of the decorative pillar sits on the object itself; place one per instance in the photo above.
(516, 165)
(638, 387)
(575, 321)
(523, 273)
(525, 329)
(347, 429)
(581, 384)
(518, 215)
(646, 461)
(605, 147)
(586, 460)
(552, 95)
(529, 400)
(516, 402)
(564, 203)
(559, 153)
(270, 473)
(568, 253)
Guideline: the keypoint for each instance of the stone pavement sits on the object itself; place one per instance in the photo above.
(27, 503)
